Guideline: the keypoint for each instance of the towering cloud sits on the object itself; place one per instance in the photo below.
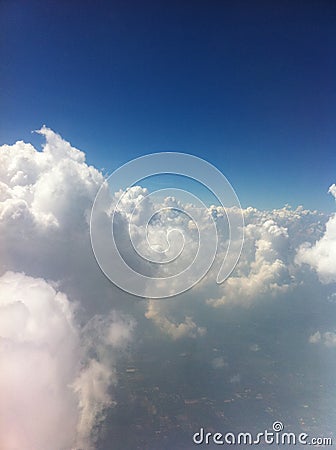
(321, 256)
(39, 359)
(53, 391)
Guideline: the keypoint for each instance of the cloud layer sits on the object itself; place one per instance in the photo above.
(59, 332)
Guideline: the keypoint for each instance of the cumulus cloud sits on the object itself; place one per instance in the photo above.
(314, 338)
(332, 190)
(46, 197)
(56, 373)
(39, 357)
(328, 338)
(53, 187)
(219, 363)
(176, 329)
(266, 266)
(267, 272)
(321, 256)
(48, 380)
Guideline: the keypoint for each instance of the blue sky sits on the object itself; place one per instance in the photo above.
(248, 87)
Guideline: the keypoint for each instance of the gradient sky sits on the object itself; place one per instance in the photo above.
(248, 86)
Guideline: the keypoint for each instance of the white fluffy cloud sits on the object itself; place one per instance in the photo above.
(332, 190)
(46, 197)
(267, 264)
(328, 338)
(266, 267)
(163, 316)
(322, 255)
(48, 381)
(39, 358)
(52, 187)
(45, 203)
(263, 267)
